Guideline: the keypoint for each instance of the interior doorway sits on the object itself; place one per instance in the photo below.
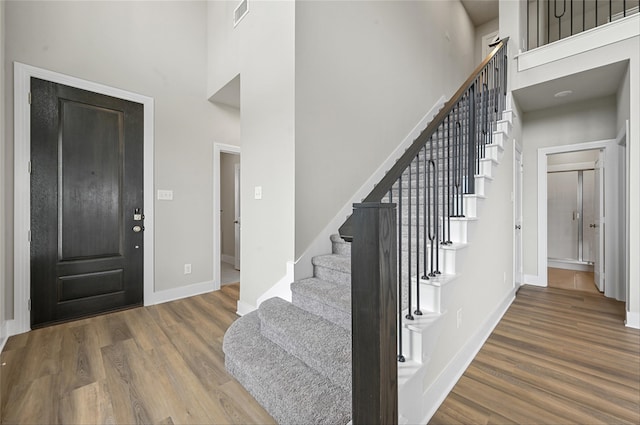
(227, 215)
(606, 248)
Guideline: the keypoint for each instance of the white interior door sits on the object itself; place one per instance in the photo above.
(237, 215)
(518, 278)
(598, 214)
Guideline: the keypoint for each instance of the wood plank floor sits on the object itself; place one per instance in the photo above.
(152, 365)
(557, 357)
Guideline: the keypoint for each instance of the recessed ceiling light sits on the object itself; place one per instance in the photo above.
(563, 93)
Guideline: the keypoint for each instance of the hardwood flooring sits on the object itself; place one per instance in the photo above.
(152, 365)
(557, 357)
(571, 279)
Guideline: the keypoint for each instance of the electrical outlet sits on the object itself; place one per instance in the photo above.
(257, 192)
(459, 319)
(187, 269)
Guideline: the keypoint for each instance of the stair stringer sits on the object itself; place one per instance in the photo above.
(431, 372)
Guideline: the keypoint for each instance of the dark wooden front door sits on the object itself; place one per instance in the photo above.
(86, 199)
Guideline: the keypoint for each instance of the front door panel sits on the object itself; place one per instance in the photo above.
(86, 183)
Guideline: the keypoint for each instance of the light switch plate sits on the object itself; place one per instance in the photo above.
(165, 195)
(257, 192)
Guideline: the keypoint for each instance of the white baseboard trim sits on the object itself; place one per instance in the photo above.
(321, 244)
(173, 294)
(433, 397)
(569, 266)
(282, 288)
(530, 279)
(632, 320)
(4, 335)
(244, 308)
(229, 259)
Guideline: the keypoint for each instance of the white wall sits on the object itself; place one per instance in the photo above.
(227, 203)
(485, 286)
(564, 125)
(365, 73)
(264, 58)
(481, 31)
(3, 236)
(156, 49)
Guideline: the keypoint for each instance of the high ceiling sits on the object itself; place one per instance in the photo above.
(481, 11)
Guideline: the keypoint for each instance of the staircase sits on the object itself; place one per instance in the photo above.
(296, 358)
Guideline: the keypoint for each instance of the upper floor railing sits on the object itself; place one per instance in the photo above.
(553, 20)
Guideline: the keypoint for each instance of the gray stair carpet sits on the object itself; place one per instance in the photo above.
(329, 300)
(291, 391)
(332, 268)
(322, 345)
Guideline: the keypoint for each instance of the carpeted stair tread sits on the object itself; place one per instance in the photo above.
(322, 345)
(340, 246)
(288, 389)
(341, 263)
(332, 268)
(329, 300)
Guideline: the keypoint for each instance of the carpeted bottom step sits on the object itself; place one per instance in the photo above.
(289, 390)
(324, 346)
(329, 300)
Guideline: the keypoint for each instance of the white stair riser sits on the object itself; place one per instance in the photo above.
(504, 126)
(481, 185)
(447, 259)
(486, 167)
(460, 229)
(471, 206)
(499, 138)
(493, 151)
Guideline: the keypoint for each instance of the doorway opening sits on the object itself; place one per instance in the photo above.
(227, 215)
(573, 210)
(600, 248)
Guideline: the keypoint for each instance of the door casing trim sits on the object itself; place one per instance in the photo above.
(609, 145)
(218, 148)
(22, 190)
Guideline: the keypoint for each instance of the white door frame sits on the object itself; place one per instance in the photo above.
(518, 273)
(22, 186)
(611, 178)
(218, 148)
(237, 215)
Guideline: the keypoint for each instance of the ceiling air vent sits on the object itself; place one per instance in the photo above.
(240, 12)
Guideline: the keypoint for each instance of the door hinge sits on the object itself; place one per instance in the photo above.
(29, 98)
(29, 167)
(29, 235)
(29, 304)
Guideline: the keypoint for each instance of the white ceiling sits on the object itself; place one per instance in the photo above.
(592, 84)
(481, 11)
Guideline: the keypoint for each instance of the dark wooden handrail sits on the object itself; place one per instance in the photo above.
(383, 187)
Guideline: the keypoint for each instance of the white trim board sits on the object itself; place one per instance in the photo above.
(173, 294)
(609, 147)
(218, 148)
(22, 190)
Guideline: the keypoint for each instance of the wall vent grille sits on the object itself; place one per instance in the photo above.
(241, 10)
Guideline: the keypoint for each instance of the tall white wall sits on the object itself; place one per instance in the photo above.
(156, 49)
(563, 125)
(365, 73)
(3, 235)
(261, 49)
(481, 31)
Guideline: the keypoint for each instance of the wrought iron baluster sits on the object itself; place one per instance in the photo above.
(417, 310)
(426, 198)
(401, 357)
(409, 316)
